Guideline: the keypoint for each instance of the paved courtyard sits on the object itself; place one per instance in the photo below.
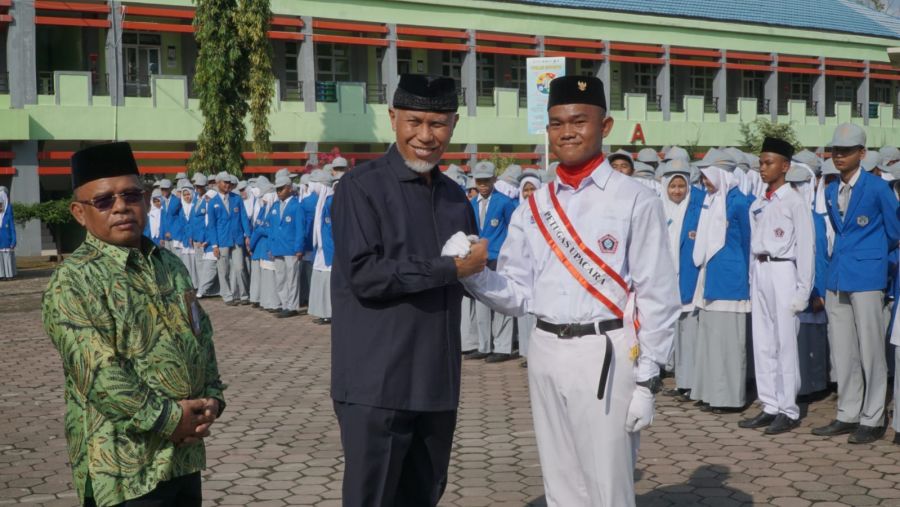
(277, 443)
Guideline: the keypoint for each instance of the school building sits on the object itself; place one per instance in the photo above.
(79, 72)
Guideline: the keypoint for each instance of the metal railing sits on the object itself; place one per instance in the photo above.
(292, 90)
(857, 110)
(376, 93)
(326, 91)
(4, 82)
(45, 84)
(138, 88)
(462, 96)
(711, 104)
(812, 108)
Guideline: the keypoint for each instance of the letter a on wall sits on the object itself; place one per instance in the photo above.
(638, 134)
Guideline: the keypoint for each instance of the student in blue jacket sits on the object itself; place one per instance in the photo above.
(200, 235)
(261, 253)
(722, 252)
(323, 248)
(682, 204)
(153, 229)
(863, 212)
(493, 212)
(286, 238)
(7, 238)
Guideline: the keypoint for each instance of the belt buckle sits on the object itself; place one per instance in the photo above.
(563, 331)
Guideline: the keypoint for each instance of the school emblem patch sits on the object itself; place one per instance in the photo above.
(327, 220)
(235, 210)
(495, 222)
(779, 233)
(692, 235)
(608, 244)
(287, 219)
(862, 220)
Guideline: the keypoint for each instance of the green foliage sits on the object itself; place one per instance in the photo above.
(254, 21)
(51, 213)
(500, 161)
(753, 133)
(222, 86)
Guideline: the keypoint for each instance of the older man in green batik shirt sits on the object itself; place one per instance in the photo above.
(141, 383)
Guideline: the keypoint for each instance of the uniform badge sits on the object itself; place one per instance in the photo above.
(531, 219)
(235, 210)
(862, 220)
(779, 233)
(215, 205)
(692, 235)
(608, 244)
(495, 222)
(327, 220)
(582, 85)
(634, 353)
(287, 219)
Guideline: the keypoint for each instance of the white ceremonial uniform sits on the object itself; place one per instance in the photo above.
(587, 455)
(782, 270)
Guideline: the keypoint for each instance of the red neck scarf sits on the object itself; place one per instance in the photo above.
(573, 175)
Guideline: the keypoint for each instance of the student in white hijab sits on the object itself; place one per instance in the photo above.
(682, 204)
(320, 282)
(7, 238)
(528, 185)
(154, 218)
(186, 249)
(722, 252)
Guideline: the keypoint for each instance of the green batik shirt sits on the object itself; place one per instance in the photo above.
(133, 341)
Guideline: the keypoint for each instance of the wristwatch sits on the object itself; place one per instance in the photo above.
(654, 384)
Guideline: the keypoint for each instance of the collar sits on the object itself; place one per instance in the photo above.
(599, 177)
(853, 180)
(120, 254)
(488, 198)
(778, 193)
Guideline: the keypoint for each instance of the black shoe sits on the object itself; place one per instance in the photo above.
(255, 305)
(835, 428)
(469, 352)
(760, 421)
(273, 310)
(477, 355)
(727, 410)
(782, 424)
(896, 438)
(524, 364)
(304, 311)
(286, 314)
(684, 397)
(498, 358)
(245, 302)
(322, 322)
(672, 392)
(866, 434)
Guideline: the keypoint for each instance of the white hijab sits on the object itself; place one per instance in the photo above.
(323, 191)
(675, 213)
(209, 195)
(714, 216)
(529, 179)
(186, 206)
(806, 189)
(506, 189)
(4, 203)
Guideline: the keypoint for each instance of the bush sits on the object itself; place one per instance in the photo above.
(53, 214)
(755, 132)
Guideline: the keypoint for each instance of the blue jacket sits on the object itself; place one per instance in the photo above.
(327, 232)
(863, 238)
(687, 271)
(287, 234)
(727, 273)
(259, 239)
(231, 227)
(496, 221)
(198, 227)
(148, 233)
(169, 223)
(822, 257)
(8, 229)
(179, 225)
(309, 215)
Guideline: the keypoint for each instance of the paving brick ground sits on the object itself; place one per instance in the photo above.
(277, 444)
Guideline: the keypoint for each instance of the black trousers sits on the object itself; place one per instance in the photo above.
(184, 491)
(394, 458)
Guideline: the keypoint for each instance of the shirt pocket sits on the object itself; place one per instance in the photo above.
(869, 254)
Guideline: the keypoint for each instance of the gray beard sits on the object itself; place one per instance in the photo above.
(418, 166)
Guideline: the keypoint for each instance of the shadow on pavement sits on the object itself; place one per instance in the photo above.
(705, 482)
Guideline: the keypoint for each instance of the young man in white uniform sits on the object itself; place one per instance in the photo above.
(782, 267)
(581, 255)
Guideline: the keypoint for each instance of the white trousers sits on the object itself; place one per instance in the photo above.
(287, 276)
(587, 457)
(467, 329)
(255, 280)
(525, 327)
(686, 330)
(190, 262)
(206, 273)
(490, 324)
(775, 327)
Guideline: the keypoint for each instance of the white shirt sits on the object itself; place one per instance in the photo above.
(851, 183)
(782, 227)
(531, 279)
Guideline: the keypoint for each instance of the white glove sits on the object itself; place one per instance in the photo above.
(799, 306)
(640, 410)
(457, 246)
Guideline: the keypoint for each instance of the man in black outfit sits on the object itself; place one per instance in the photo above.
(395, 337)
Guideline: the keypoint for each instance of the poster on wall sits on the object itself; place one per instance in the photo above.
(171, 60)
(540, 71)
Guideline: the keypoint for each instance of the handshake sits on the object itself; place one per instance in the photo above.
(196, 418)
(469, 253)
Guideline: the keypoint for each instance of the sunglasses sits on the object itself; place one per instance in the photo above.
(106, 202)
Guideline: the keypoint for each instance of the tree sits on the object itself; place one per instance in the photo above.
(754, 132)
(53, 214)
(878, 5)
(222, 85)
(500, 161)
(254, 21)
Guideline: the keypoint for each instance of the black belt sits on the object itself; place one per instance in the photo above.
(568, 331)
(768, 258)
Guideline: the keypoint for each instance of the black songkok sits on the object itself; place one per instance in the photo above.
(102, 161)
(576, 90)
(418, 92)
(778, 146)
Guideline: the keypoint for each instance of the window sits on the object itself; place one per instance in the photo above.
(844, 90)
(518, 76)
(701, 82)
(404, 60)
(645, 80)
(487, 75)
(801, 87)
(332, 62)
(451, 64)
(752, 84)
(881, 92)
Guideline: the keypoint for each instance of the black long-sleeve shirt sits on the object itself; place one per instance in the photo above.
(396, 302)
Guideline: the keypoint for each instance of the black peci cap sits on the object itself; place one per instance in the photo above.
(778, 146)
(103, 161)
(419, 92)
(576, 90)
